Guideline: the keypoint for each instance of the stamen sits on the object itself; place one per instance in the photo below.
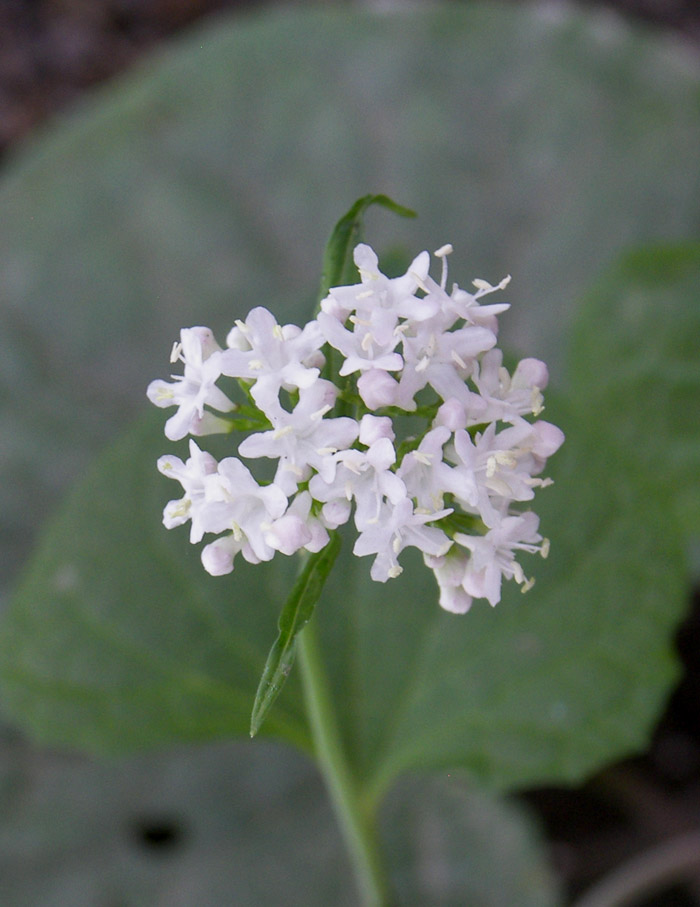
(367, 342)
(419, 281)
(320, 413)
(506, 458)
(536, 401)
(442, 253)
(526, 586)
(458, 359)
(423, 364)
(175, 351)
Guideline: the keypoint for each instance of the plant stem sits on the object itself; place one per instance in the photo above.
(356, 822)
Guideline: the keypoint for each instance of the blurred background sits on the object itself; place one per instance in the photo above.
(66, 818)
(52, 50)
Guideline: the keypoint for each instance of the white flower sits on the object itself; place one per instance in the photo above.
(364, 476)
(237, 503)
(406, 344)
(398, 527)
(377, 388)
(272, 355)
(508, 397)
(192, 476)
(442, 359)
(372, 428)
(492, 555)
(449, 570)
(303, 440)
(194, 390)
(218, 556)
(297, 528)
(424, 472)
(494, 467)
(362, 348)
(377, 294)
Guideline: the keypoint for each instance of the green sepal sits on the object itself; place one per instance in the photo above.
(296, 613)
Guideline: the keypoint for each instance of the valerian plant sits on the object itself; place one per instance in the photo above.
(391, 408)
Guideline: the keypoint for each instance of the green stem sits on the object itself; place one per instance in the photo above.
(356, 822)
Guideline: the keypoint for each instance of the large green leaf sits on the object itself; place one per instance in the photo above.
(145, 647)
(207, 181)
(118, 639)
(247, 825)
(637, 350)
(543, 688)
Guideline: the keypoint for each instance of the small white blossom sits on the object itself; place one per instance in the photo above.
(271, 355)
(366, 477)
(237, 503)
(449, 570)
(195, 389)
(492, 555)
(192, 475)
(303, 440)
(425, 473)
(396, 528)
(297, 528)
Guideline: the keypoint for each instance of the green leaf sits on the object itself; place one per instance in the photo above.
(636, 350)
(250, 825)
(296, 613)
(338, 267)
(133, 219)
(543, 688)
(143, 647)
(444, 839)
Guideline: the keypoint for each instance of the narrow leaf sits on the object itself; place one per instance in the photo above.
(295, 615)
(338, 267)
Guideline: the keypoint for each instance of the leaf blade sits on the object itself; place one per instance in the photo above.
(296, 613)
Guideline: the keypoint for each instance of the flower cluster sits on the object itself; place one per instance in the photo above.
(409, 351)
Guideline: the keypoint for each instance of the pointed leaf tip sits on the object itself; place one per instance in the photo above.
(296, 613)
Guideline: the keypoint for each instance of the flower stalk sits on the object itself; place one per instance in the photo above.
(356, 820)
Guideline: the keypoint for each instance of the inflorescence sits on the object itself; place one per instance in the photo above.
(410, 353)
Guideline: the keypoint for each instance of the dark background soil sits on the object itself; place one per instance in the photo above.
(50, 51)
